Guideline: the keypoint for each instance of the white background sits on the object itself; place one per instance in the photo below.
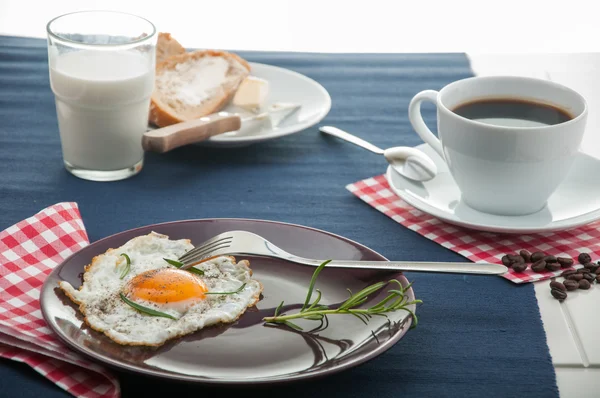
(526, 37)
(344, 25)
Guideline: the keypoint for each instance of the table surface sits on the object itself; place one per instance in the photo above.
(466, 344)
(569, 329)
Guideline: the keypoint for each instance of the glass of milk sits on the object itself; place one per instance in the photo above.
(102, 75)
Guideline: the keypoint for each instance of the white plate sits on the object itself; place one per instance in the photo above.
(576, 201)
(284, 86)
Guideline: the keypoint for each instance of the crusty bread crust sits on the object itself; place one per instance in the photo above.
(162, 115)
(167, 46)
(172, 61)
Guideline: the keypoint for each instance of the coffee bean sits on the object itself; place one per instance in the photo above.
(568, 272)
(590, 266)
(575, 277)
(594, 268)
(597, 272)
(564, 261)
(515, 258)
(559, 294)
(538, 266)
(584, 284)
(583, 271)
(519, 267)
(584, 258)
(571, 285)
(589, 277)
(557, 285)
(526, 255)
(537, 256)
(552, 266)
(550, 259)
(506, 261)
(597, 278)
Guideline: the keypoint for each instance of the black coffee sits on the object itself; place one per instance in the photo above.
(512, 112)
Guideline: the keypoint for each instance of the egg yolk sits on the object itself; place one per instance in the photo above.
(166, 286)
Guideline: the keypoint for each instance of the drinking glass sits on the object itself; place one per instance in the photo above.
(101, 66)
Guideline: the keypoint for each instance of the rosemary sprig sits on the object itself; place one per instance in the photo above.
(145, 310)
(237, 291)
(127, 266)
(312, 285)
(395, 300)
(180, 264)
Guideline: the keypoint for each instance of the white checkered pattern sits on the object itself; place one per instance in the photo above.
(480, 246)
(29, 250)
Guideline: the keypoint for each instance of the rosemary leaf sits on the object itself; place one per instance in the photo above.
(405, 288)
(174, 262)
(312, 283)
(359, 317)
(195, 271)
(414, 324)
(359, 302)
(400, 301)
(316, 300)
(237, 291)
(292, 325)
(383, 302)
(127, 266)
(379, 314)
(316, 317)
(145, 310)
(398, 292)
(180, 264)
(278, 309)
(351, 302)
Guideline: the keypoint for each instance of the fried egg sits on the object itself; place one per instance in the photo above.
(175, 302)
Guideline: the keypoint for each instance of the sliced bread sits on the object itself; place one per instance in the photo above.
(195, 84)
(167, 46)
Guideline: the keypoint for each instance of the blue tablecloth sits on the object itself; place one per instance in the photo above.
(477, 336)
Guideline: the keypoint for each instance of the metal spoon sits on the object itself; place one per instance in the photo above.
(409, 162)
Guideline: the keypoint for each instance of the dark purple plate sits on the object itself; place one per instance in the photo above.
(248, 351)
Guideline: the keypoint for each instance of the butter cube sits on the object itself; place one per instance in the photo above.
(251, 93)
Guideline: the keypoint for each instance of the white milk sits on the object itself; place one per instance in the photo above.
(102, 102)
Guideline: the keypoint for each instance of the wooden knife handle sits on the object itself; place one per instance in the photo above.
(170, 137)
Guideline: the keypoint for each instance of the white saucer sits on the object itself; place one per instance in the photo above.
(576, 201)
(284, 86)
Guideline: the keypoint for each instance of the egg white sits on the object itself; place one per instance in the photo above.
(103, 309)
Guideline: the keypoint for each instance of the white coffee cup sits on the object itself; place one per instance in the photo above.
(503, 170)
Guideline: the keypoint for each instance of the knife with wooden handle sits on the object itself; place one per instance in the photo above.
(170, 137)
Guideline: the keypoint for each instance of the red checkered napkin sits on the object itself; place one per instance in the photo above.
(480, 246)
(29, 251)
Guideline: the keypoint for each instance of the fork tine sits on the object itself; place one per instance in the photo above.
(204, 248)
(205, 253)
(206, 244)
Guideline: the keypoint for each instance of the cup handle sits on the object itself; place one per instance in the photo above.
(414, 115)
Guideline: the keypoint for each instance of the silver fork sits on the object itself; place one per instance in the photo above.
(248, 243)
